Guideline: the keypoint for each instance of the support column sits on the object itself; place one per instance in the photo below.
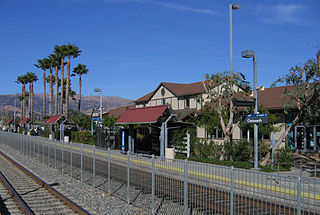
(162, 144)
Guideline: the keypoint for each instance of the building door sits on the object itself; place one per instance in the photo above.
(299, 131)
(310, 138)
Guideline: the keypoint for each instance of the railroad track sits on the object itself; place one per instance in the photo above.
(24, 193)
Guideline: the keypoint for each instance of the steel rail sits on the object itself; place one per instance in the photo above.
(22, 205)
(75, 207)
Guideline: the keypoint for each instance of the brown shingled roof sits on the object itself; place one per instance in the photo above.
(177, 90)
(271, 98)
(117, 112)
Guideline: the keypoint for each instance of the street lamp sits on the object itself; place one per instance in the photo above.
(99, 90)
(231, 7)
(252, 54)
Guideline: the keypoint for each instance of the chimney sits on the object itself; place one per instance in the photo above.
(261, 88)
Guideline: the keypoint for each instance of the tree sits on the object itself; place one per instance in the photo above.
(31, 78)
(61, 52)
(44, 65)
(51, 64)
(55, 62)
(209, 118)
(71, 51)
(222, 89)
(301, 96)
(23, 81)
(80, 70)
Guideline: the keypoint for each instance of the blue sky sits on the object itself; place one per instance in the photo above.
(130, 46)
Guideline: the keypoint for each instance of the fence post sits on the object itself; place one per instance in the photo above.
(94, 167)
(42, 151)
(71, 159)
(299, 196)
(128, 178)
(315, 171)
(231, 190)
(62, 156)
(49, 143)
(153, 186)
(55, 153)
(81, 152)
(185, 203)
(109, 169)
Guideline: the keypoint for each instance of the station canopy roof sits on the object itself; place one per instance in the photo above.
(23, 121)
(53, 119)
(144, 115)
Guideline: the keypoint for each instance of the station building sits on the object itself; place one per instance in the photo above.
(154, 115)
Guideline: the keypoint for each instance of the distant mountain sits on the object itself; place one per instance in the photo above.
(87, 103)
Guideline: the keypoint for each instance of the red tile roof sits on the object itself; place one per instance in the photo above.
(24, 120)
(53, 119)
(142, 115)
(117, 112)
(177, 90)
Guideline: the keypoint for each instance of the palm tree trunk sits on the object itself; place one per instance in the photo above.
(29, 108)
(31, 100)
(44, 106)
(51, 94)
(67, 87)
(57, 92)
(23, 101)
(79, 102)
(61, 91)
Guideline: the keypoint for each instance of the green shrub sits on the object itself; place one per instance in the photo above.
(284, 157)
(274, 168)
(83, 137)
(209, 150)
(237, 150)
(236, 164)
(45, 133)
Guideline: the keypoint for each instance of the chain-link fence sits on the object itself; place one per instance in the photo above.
(165, 186)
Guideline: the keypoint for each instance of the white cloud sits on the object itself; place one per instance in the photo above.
(169, 5)
(281, 14)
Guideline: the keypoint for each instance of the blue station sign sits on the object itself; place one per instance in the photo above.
(261, 118)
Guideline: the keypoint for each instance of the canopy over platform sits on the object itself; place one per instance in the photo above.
(159, 116)
(54, 119)
(23, 121)
(147, 115)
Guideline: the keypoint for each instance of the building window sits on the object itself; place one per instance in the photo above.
(187, 102)
(215, 134)
(163, 101)
(245, 133)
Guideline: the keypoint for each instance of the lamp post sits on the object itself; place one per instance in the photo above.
(232, 7)
(252, 54)
(100, 109)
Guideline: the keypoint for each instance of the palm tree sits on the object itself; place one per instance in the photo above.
(56, 64)
(43, 64)
(72, 51)
(61, 52)
(22, 98)
(22, 80)
(80, 70)
(52, 63)
(31, 77)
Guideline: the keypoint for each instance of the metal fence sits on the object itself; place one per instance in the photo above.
(165, 186)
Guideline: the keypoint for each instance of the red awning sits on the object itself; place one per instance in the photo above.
(142, 115)
(23, 120)
(53, 119)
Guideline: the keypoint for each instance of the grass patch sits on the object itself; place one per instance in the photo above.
(236, 164)
(274, 168)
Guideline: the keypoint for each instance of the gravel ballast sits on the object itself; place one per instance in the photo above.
(93, 200)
